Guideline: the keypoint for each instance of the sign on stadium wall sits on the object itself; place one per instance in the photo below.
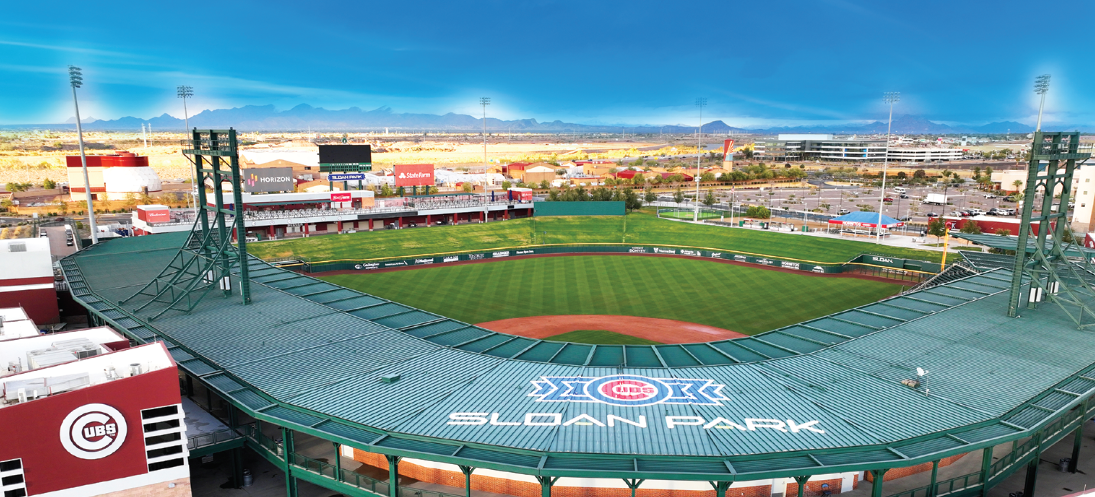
(698, 253)
(413, 174)
(268, 179)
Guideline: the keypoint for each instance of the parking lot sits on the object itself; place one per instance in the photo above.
(910, 206)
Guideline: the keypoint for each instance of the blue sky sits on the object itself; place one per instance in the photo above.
(757, 63)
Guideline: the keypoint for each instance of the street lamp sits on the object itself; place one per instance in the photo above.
(185, 92)
(76, 79)
(890, 97)
(701, 103)
(1041, 87)
(484, 101)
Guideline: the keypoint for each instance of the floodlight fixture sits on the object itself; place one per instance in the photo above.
(701, 103)
(1041, 87)
(484, 101)
(890, 97)
(76, 80)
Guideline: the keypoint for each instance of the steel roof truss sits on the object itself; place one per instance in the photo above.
(712, 347)
(656, 354)
(526, 349)
(792, 351)
(833, 333)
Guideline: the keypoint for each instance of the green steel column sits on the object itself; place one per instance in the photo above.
(393, 475)
(338, 461)
(241, 228)
(876, 486)
(1032, 475)
(935, 473)
(801, 480)
(633, 484)
(721, 487)
(286, 452)
(546, 483)
(237, 467)
(1024, 228)
(986, 467)
(467, 479)
(1078, 440)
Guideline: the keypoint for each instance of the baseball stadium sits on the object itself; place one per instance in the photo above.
(770, 364)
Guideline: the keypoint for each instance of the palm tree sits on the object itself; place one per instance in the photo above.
(1017, 184)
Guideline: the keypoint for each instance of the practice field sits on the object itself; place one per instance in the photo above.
(738, 298)
(635, 228)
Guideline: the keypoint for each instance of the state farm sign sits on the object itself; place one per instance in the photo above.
(413, 174)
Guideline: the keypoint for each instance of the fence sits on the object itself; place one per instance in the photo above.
(588, 208)
(900, 269)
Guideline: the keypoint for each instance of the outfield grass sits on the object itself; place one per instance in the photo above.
(738, 298)
(636, 228)
(600, 337)
(688, 215)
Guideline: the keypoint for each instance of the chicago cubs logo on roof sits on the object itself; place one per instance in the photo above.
(93, 431)
(627, 390)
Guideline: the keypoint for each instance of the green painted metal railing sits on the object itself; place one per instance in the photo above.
(207, 439)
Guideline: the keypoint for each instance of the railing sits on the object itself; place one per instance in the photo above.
(208, 439)
(944, 487)
(252, 432)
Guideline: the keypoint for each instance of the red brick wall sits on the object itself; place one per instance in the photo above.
(814, 487)
(527, 489)
(912, 470)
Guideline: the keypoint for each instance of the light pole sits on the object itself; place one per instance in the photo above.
(184, 93)
(889, 97)
(484, 101)
(76, 79)
(700, 102)
(1041, 87)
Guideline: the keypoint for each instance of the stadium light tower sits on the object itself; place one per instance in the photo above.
(701, 103)
(890, 97)
(1041, 87)
(76, 79)
(484, 101)
(184, 93)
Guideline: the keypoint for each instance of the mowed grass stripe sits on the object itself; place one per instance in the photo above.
(641, 228)
(739, 298)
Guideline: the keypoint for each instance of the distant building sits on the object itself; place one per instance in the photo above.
(113, 177)
(824, 147)
(1082, 193)
(924, 154)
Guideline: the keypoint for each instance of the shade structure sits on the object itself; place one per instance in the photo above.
(865, 220)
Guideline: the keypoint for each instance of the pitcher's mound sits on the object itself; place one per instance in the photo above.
(656, 329)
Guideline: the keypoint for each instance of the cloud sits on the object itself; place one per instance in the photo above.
(58, 48)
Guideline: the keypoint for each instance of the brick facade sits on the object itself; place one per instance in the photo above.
(896, 473)
(814, 487)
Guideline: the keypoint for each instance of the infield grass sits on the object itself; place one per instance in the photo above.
(636, 228)
(600, 337)
(738, 298)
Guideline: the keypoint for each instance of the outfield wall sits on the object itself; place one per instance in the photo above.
(889, 267)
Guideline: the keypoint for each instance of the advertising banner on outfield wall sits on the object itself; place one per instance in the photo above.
(644, 249)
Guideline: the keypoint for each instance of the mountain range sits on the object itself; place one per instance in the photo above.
(305, 117)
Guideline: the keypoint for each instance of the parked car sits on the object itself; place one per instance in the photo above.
(904, 195)
(887, 199)
(990, 195)
(932, 214)
(842, 212)
(905, 219)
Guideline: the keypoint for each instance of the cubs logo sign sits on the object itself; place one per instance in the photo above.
(627, 390)
(93, 431)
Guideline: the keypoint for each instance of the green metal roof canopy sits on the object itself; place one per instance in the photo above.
(818, 397)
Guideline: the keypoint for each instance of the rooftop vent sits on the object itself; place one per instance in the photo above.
(389, 378)
(17, 247)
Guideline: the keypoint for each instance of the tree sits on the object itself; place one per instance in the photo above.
(758, 212)
(506, 185)
(385, 190)
(920, 174)
(544, 185)
(678, 196)
(650, 196)
(632, 200)
(1003, 232)
(707, 177)
(467, 188)
(971, 228)
(902, 176)
(1018, 184)
(48, 184)
(825, 206)
(936, 228)
(432, 190)
(709, 199)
